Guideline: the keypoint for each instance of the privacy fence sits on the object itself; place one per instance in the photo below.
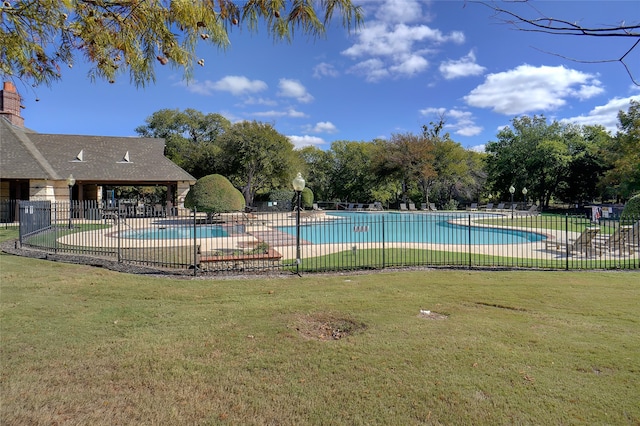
(319, 240)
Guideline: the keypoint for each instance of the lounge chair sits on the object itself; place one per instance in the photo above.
(432, 207)
(620, 240)
(489, 207)
(500, 207)
(473, 207)
(377, 205)
(584, 242)
(423, 206)
(315, 206)
(403, 207)
(412, 207)
(533, 211)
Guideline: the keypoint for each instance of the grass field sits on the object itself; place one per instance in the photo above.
(81, 345)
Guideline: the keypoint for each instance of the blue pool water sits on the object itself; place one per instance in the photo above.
(175, 232)
(363, 227)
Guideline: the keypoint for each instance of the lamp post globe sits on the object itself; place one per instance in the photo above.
(298, 186)
(524, 193)
(512, 190)
(70, 182)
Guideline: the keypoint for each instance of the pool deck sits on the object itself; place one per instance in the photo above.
(260, 228)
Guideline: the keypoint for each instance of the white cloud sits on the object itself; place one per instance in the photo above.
(411, 65)
(458, 121)
(291, 113)
(323, 127)
(236, 85)
(604, 115)
(302, 141)
(378, 39)
(399, 11)
(477, 148)
(394, 45)
(259, 101)
(373, 69)
(532, 89)
(463, 67)
(324, 69)
(294, 89)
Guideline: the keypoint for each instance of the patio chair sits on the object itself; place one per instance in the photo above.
(500, 207)
(412, 207)
(403, 207)
(423, 206)
(584, 242)
(473, 207)
(489, 207)
(432, 207)
(315, 206)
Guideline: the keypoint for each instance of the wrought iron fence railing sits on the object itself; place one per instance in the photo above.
(323, 240)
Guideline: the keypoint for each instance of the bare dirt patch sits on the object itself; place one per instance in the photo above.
(326, 326)
(431, 315)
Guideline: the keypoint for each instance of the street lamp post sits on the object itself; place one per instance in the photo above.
(512, 190)
(70, 182)
(524, 193)
(298, 186)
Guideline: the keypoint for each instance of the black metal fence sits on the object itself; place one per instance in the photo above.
(321, 240)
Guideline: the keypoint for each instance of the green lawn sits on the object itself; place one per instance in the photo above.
(81, 345)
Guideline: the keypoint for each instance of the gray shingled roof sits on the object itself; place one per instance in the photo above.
(117, 160)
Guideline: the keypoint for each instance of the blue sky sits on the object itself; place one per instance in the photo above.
(412, 62)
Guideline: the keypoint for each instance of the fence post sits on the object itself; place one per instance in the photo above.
(118, 220)
(566, 239)
(195, 243)
(469, 232)
(384, 262)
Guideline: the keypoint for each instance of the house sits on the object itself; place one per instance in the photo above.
(37, 166)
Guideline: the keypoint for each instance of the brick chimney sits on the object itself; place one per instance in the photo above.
(10, 104)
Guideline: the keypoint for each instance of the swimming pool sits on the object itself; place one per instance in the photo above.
(365, 227)
(175, 232)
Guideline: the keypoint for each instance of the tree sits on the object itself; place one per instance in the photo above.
(190, 137)
(533, 20)
(352, 179)
(214, 194)
(406, 157)
(39, 38)
(531, 154)
(256, 158)
(318, 167)
(623, 154)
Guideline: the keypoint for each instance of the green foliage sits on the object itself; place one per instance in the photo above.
(190, 137)
(306, 198)
(623, 154)
(214, 194)
(631, 212)
(256, 158)
(452, 204)
(550, 160)
(39, 38)
(281, 195)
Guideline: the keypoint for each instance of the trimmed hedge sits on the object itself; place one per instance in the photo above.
(631, 211)
(214, 194)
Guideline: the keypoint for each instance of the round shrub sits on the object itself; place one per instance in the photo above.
(214, 194)
(631, 212)
(306, 198)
